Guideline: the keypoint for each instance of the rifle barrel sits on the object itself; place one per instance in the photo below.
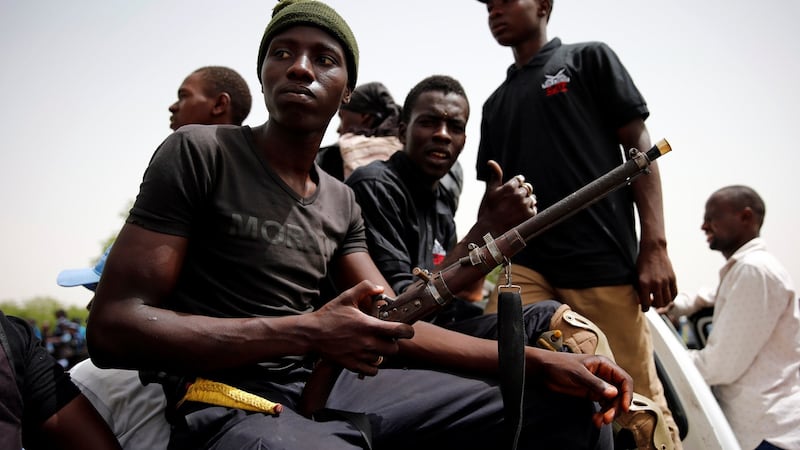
(430, 292)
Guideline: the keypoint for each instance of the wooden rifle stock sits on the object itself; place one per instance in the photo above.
(431, 292)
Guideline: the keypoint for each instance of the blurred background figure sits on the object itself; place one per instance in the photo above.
(368, 132)
(211, 95)
(752, 356)
(67, 341)
(134, 412)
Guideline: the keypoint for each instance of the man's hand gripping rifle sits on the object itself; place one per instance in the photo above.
(431, 292)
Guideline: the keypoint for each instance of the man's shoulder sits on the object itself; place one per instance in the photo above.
(375, 171)
(208, 131)
(756, 259)
(18, 333)
(553, 56)
(205, 139)
(761, 259)
(19, 342)
(214, 135)
(579, 54)
(590, 45)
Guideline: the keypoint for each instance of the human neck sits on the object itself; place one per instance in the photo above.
(526, 50)
(290, 153)
(744, 240)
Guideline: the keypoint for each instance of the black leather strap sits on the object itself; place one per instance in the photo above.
(511, 350)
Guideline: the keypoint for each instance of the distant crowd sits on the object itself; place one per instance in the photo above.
(65, 339)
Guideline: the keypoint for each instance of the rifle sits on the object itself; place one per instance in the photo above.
(431, 292)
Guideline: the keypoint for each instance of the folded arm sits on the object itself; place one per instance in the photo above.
(78, 426)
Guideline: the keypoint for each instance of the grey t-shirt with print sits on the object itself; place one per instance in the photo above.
(256, 248)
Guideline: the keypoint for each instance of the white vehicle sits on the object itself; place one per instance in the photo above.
(697, 413)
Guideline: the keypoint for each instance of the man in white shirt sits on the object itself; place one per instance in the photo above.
(752, 357)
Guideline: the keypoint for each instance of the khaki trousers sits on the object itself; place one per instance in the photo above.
(615, 310)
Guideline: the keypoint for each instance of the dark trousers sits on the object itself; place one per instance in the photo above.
(407, 408)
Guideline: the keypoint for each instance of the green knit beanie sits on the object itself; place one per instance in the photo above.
(288, 13)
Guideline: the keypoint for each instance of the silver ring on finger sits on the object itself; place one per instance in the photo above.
(528, 187)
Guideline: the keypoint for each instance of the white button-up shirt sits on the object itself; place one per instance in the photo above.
(752, 357)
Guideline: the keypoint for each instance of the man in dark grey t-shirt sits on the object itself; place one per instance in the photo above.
(214, 275)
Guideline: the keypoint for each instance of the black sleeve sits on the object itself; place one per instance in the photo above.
(385, 217)
(176, 181)
(612, 82)
(45, 386)
(485, 152)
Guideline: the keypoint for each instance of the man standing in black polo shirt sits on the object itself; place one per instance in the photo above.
(563, 117)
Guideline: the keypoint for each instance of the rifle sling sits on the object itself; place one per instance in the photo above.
(511, 353)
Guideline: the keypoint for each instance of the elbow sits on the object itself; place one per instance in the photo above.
(101, 342)
(713, 372)
(99, 353)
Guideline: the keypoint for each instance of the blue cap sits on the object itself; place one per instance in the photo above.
(88, 277)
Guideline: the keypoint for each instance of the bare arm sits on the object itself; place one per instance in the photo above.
(586, 376)
(78, 426)
(432, 346)
(656, 284)
(130, 327)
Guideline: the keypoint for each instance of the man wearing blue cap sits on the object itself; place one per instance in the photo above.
(216, 274)
(134, 412)
(209, 95)
(87, 277)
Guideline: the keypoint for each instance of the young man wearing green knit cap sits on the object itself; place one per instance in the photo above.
(216, 276)
(288, 13)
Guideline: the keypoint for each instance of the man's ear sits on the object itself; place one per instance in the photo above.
(366, 120)
(347, 94)
(222, 104)
(545, 6)
(750, 222)
(401, 132)
(747, 215)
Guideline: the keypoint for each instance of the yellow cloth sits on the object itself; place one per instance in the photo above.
(220, 394)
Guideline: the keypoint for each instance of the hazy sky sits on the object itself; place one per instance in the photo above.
(87, 85)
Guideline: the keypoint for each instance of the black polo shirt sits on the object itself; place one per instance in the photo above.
(555, 121)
